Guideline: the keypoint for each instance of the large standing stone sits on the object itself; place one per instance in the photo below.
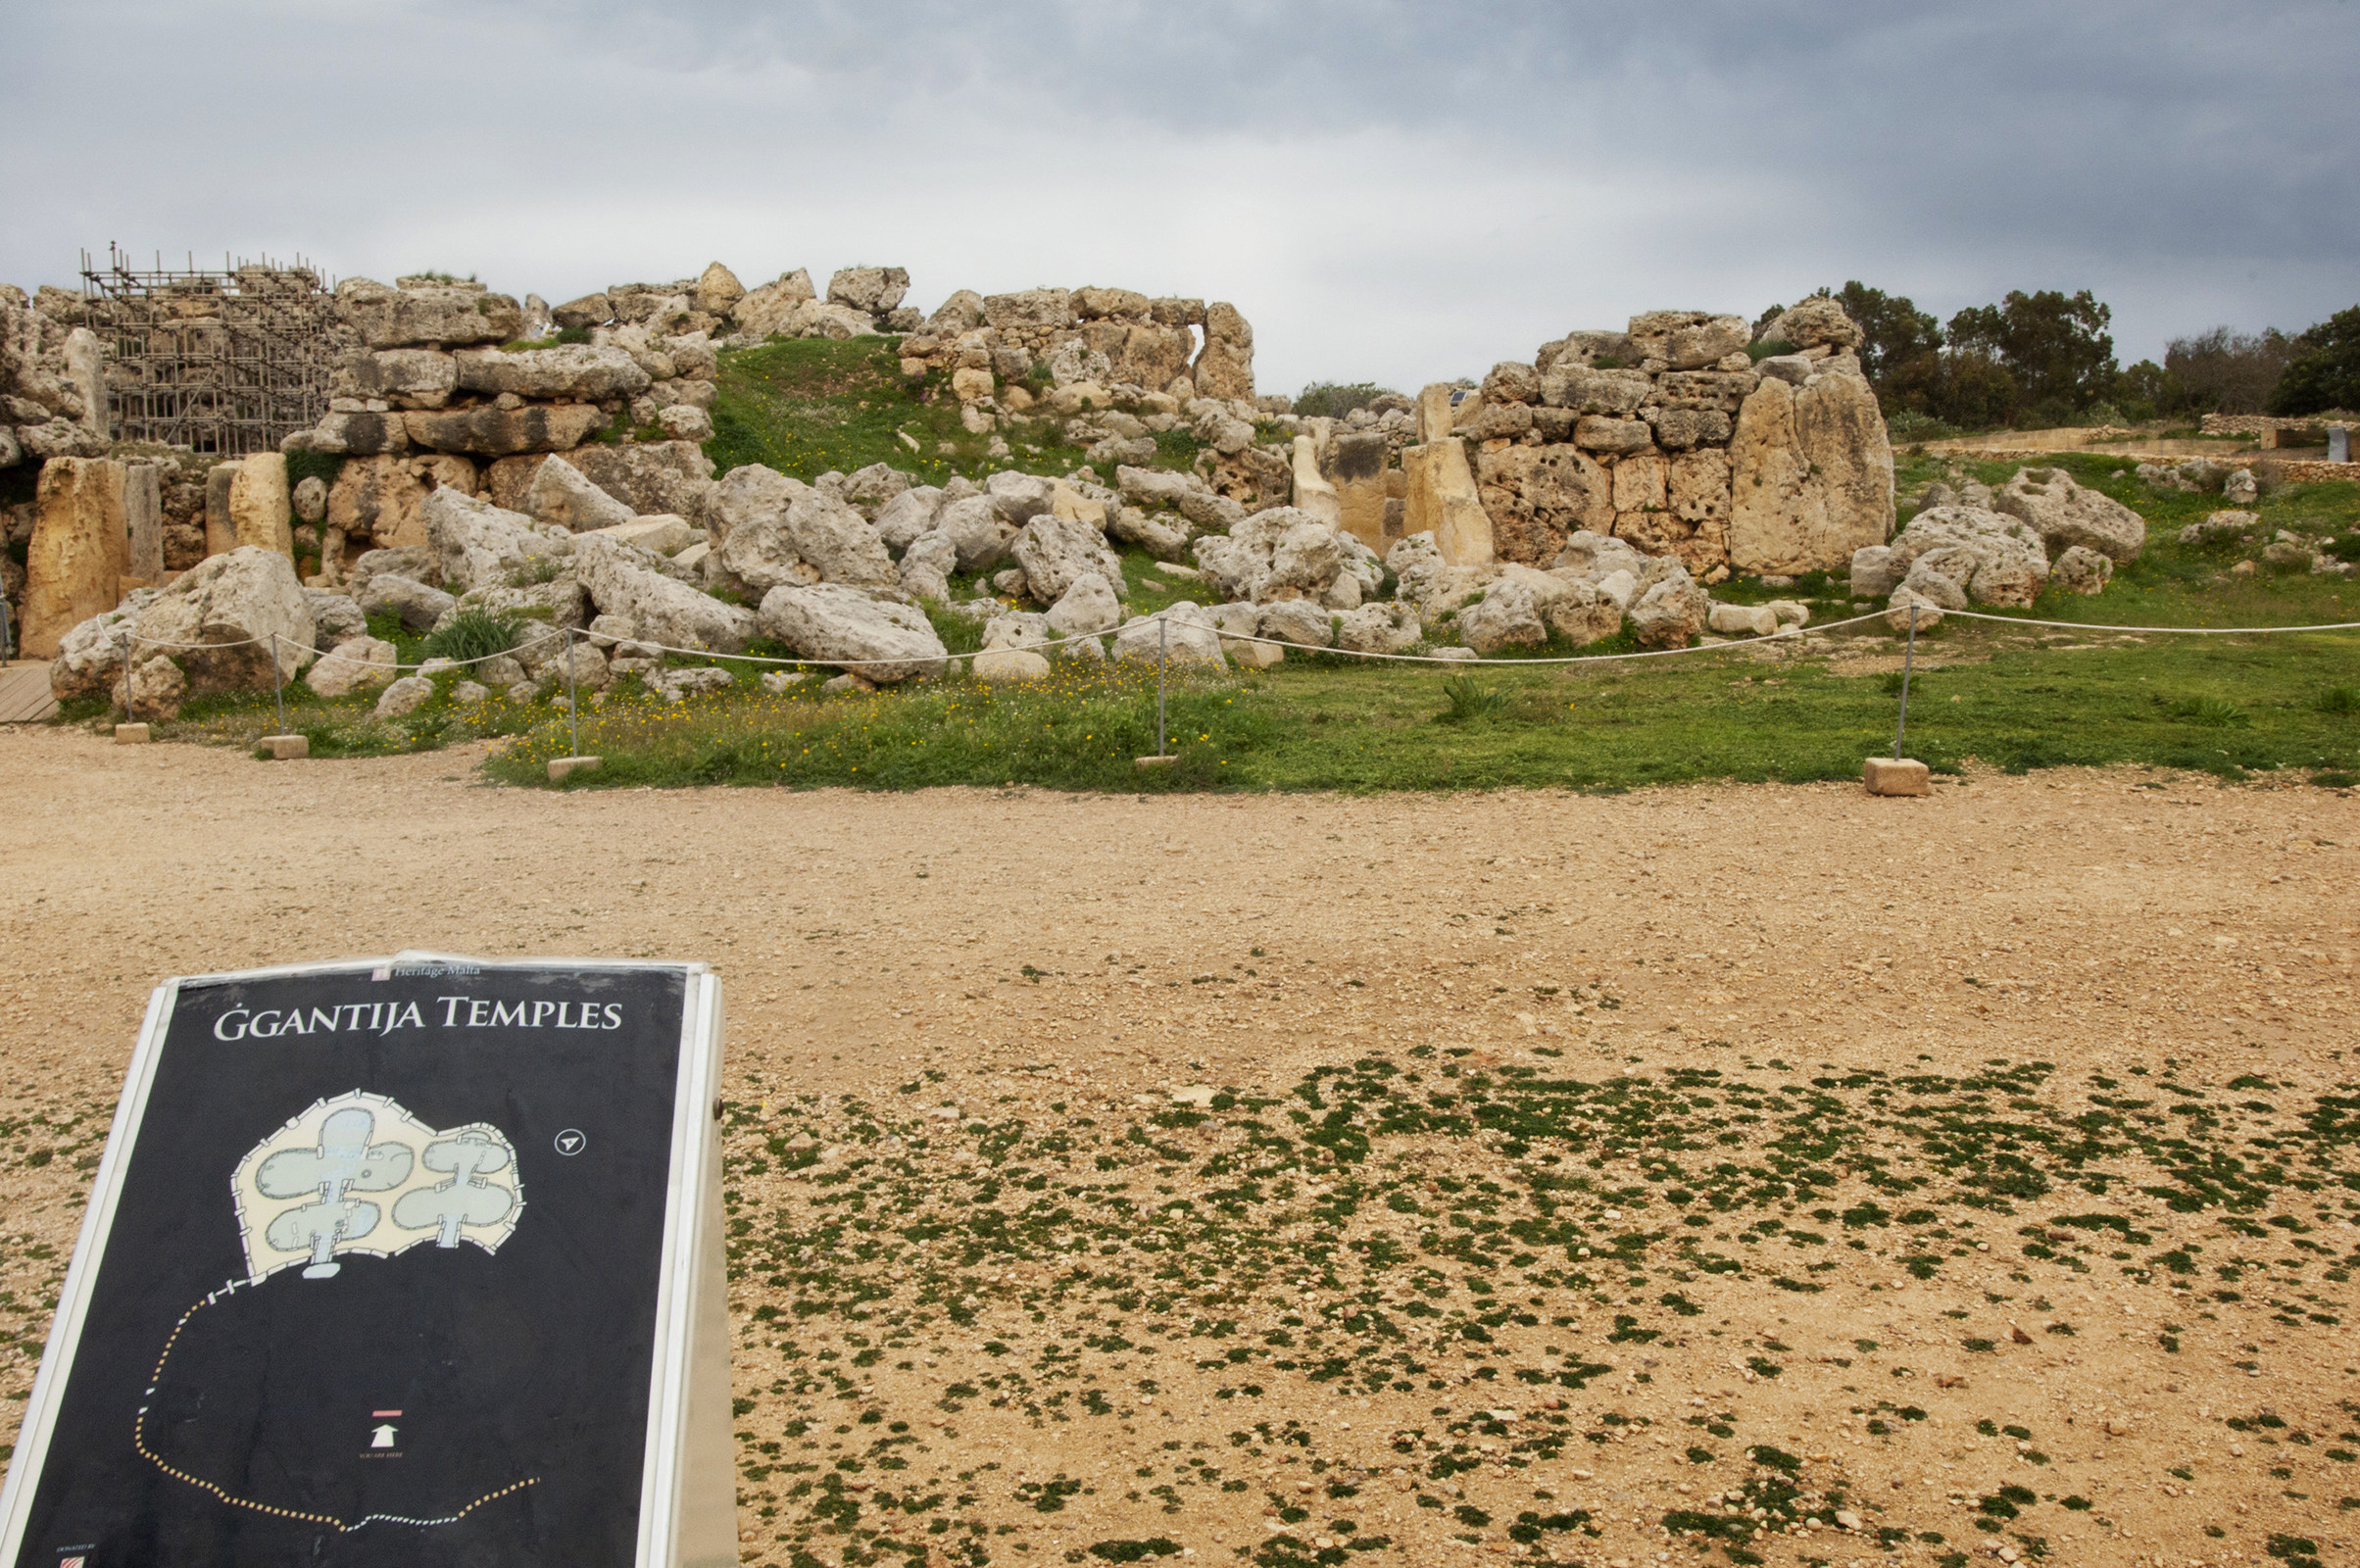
(880, 642)
(1312, 492)
(1225, 368)
(86, 374)
(75, 560)
(261, 510)
(143, 523)
(226, 619)
(1359, 478)
(1810, 476)
(221, 534)
(1437, 416)
(1443, 499)
(419, 378)
(1154, 356)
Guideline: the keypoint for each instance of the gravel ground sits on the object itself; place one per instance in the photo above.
(1400, 1123)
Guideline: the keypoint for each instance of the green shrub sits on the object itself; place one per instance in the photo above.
(1333, 400)
(2338, 700)
(2214, 712)
(475, 633)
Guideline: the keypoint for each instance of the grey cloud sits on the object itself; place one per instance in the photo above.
(1391, 191)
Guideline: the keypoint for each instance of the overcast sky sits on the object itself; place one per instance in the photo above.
(1389, 191)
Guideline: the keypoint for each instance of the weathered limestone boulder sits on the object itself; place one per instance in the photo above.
(1279, 553)
(1689, 340)
(1591, 557)
(1378, 628)
(1910, 611)
(976, 531)
(926, 567)
(88, 658)
(1057, 551)
(418, 378)
(1818, 322)
(1153, 355)
(379, 497)
(1810, 476)
(497, 432)
(561, 498)
(1427, 583)
(1161, 535)
(1444, 501)
(1296, 620)
(2083, 570)
(591, 310)
(872, 290)
(999, 665)
(1670, 607)
(1506, 617)
(1030, 309)
(335, 618)
(477, 545)
(901, 520)
(1981, 555)
(225, 620)
(419, 607)
(1536, 495)
(832, 624)
(405, 318)
(1086, 608)
(1584, 614)
(260, 509)
(404, 697)
(310, 497)
(571, 372)
(155, 690)
(78, 550)
(2065, 514)
(623, 579)
(771, 308)
(2241, 488)
(651, 476)
(1225, 368)
(1018, 498)
(770, 531)
(1753, 621)
(360, 433)
(1612, 393)
(1183, 633)
(361, 663)
(718, 290)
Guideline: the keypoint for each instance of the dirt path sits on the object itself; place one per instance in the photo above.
(936, 997)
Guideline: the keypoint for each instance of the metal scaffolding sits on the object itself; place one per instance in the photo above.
(226, 362)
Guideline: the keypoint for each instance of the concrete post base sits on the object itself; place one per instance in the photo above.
(1887, 775)
(1161, 759)
(131, 734)
(286, 748)
(562, 768)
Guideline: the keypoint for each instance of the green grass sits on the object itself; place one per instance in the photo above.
(2225, 707)
(811, 405)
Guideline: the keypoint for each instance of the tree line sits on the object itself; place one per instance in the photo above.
(2048, 359)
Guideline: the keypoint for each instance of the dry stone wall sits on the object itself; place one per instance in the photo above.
(1669, 434)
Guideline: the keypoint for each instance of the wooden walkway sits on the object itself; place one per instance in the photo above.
(25, 694)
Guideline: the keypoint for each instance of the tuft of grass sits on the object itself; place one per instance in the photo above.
(2214, 712)
(1470, 700)
(2337, 700)
(474, 633)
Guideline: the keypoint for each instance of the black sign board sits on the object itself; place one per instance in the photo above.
(397, 1261)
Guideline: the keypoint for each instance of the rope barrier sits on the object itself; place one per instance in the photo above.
(1783, 633)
